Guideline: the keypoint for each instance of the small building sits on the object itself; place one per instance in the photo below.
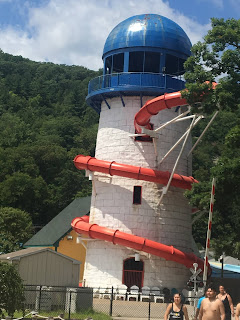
(59, 236)
(44, 266)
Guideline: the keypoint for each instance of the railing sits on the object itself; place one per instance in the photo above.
(132, 80)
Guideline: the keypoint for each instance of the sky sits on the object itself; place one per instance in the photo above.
(73, 32)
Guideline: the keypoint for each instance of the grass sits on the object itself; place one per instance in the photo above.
(80, 315)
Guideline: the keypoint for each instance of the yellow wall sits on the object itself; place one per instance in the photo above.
(74, 250)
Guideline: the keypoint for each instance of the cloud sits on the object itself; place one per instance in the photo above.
(74, 31)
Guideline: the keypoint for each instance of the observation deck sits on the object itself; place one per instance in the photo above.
(130, 84)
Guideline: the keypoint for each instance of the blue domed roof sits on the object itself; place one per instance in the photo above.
(148, 30)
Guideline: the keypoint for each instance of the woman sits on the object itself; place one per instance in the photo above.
(227, 301)
(176, 310)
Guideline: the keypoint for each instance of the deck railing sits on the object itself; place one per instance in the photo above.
(131, 80)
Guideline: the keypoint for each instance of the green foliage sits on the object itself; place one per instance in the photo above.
(217, 59)
(11, 289)
(44, 124)
(15, 229)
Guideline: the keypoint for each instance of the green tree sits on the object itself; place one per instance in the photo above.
(217, 59)
(15, 229)
(44, 124)
(11, 290)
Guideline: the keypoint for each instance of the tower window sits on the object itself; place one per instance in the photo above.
(136, 61)
(174, 65)
(137, 195)
(171, 64)
(118, 60)
(108, 65)
(152, 62)
(181, 66)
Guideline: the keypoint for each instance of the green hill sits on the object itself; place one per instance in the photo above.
(44, 124)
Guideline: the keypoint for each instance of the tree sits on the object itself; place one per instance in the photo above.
(217, 59)
(11, 289)
(15, 229)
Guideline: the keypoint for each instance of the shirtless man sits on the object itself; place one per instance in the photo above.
(237, 314)
(211, 307)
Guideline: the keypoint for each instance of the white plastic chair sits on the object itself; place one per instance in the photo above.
(157, 295)
(107, 294)
(122, 291)
(134, 292)
(145, 294)
(96, 292)
(102, 291)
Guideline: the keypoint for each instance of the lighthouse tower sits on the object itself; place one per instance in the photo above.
(143, 58)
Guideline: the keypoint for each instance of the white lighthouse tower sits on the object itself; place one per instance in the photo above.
(138, 206)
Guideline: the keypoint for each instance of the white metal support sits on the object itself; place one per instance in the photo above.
(150, 133)
(94, 186)
(198, 216)
(80, 240)
(185, 118)
(173, 120)
(133, 135)
(165, 189)
(181, 138)
(200, 137)
(90, 176)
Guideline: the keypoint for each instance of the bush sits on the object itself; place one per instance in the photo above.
(11, 289)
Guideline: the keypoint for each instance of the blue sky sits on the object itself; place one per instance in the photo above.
(74, 31)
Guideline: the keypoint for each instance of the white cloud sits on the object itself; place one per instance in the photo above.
(74, 31)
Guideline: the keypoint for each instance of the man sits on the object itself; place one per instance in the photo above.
(237, 314)
(199, 305)
(211, 307)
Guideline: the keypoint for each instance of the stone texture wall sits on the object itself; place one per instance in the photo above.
(112, 199)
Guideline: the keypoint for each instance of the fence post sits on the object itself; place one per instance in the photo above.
(39, 302)
(111, 303)
(149, 307)
(70, 302)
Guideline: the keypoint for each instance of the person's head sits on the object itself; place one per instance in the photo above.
(211, 292)
(177, 298)
(222, 289)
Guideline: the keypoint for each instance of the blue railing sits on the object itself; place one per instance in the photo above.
(131, 80)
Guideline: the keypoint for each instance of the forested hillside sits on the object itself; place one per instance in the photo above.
(44, 124)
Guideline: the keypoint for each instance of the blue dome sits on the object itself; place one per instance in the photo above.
(148, 30)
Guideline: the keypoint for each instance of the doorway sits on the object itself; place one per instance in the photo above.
(133, 272)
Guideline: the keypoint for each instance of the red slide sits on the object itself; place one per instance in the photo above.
(81, 225)
(124, 170)
(94, 231)
(152, 107)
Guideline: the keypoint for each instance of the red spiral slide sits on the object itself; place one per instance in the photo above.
(82, 226)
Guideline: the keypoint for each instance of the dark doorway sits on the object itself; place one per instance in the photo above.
(133, 272)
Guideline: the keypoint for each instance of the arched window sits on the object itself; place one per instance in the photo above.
(133, 272)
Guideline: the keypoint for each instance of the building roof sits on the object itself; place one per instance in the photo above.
(59, 226)
(17, 255)
(148, 30)
(230, 270)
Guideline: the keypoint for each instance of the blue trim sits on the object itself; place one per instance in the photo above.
(123, 103)
(106, 101)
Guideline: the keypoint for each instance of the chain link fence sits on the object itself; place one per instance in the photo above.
(69, 302)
